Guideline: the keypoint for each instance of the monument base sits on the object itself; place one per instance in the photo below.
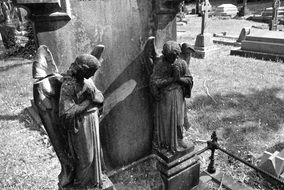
(179, 172)
(267, 45)
(257, 55)
(204, 46)
(107, 185)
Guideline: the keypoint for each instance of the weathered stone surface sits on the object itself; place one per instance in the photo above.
(262, 45)
(203, 40)
(107, 185)
(268, 12)
(75, 27)
(227, 180)
(204, 46)
(186, 179)
(226, 10)
(273, 163)
(244, 32)
(181, 173)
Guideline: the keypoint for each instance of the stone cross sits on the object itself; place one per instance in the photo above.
(274, 21)
(245, 4)
(204, 12)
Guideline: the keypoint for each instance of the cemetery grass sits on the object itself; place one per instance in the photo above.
(242, 99)
(26, 158)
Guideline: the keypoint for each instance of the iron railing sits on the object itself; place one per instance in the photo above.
(213, 145)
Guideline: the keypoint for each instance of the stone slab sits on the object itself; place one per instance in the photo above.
(184, 180)
(37, 1)
(107, 185)
(264, 47)
(169, 157)
(257, 55)
(279, 165)
(282, 176)
(228, 43)
(203, 40)
(267, 34)
(269, 165)
(201, 54)
(265, 39)
(227, 181)
(176, 161)
(176, 169)
(265, 157)
(226, 10)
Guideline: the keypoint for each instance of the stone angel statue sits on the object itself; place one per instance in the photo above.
(170, 84)
(68, 105)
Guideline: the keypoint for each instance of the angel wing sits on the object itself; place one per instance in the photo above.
(46, 91)
(44, 63)
(149, 55)
(97, 52)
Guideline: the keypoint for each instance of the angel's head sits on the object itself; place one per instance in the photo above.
(186, 52)
(171, 50)
(84, 66)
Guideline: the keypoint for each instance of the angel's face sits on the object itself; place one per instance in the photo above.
(87, 73)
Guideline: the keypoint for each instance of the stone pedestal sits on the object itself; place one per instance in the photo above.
(204, 46)
(179, 171)
(107, 185)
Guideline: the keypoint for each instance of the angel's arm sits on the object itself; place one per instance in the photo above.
(67, 105)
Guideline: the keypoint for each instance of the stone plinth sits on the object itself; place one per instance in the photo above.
(273, 163)
(268, 45)
(106, 185)
(204, 46)
(269, 11)
(226, 10)
(179, 172)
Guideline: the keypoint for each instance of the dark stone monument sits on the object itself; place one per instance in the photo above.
(72, 27)
(274, 21)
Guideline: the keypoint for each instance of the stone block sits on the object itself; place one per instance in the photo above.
(267, 45)
(184, 180)
(107, 185)
(269, 11)
(203, 40)
(264, 47)
(226, 10)
(182, 172)
(204, 46)
(272, 163)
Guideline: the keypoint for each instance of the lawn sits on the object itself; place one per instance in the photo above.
(241, 98)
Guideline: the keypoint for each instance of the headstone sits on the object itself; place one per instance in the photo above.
(268, 164)
(73, 27)
(204, 43)
(273, 163)
(268, 45)
(226, 10)
(268, 12)
(244, 32)
(274, 21)
(244, 10)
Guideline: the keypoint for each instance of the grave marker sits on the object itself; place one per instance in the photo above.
(204, 43)
(274, 21)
